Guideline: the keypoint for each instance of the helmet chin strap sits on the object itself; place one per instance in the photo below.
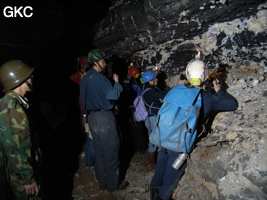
(100, 66)
(29, 85)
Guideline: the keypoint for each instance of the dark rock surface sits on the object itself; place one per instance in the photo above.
(168, 33)
(229, 162)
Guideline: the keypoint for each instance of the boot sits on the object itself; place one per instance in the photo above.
(153, 193)
(151, 159)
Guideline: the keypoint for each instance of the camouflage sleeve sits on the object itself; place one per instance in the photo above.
(17, 144)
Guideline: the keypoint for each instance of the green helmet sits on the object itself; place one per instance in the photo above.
(13, 73)
(96, 55)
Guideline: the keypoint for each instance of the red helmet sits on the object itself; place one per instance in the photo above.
(82, 60)
(134, 72)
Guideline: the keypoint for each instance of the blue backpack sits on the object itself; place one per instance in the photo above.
(176, 126)
(141, 113)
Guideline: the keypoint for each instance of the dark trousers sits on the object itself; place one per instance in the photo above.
(106, 145)
(166, 178)
(89, 152)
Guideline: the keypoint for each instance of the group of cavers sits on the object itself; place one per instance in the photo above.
(173, 120)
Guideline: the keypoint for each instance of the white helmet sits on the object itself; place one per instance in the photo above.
(196, 71)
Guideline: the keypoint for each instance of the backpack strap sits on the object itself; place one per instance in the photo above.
(149, 112)
(149, 106)
(144, 91)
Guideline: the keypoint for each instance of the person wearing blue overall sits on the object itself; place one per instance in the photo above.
(96, 93)
(166, 177)
(153, 101)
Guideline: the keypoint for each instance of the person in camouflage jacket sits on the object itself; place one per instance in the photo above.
(18, 152)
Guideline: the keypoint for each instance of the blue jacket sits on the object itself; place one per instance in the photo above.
(220, 102)
(98, 91)
(155, 97)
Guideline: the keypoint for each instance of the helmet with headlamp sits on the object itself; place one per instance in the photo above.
(196, 71)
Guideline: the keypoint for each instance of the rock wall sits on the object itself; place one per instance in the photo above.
(230, 161)
(167, 33)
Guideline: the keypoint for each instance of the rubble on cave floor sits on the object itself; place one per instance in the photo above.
(138, 175)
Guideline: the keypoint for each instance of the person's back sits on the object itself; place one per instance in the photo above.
(167, 175)
(153, 101)
(132, 88)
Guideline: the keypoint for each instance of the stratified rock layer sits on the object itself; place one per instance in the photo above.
(230, 161)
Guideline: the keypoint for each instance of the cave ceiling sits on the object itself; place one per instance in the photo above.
(59, 32)
(132, 26)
